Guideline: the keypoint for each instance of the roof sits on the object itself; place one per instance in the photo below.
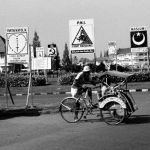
(2, 44)
(117, 73)
(103, 59)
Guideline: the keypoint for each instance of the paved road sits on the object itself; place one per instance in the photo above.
(40, 99)
(50, 132)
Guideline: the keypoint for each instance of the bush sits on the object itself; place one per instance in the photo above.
(67, 79)
(17, 80)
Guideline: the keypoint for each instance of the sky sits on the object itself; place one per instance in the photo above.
(50, 19)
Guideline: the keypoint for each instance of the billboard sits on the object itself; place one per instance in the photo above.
(111, 48)
(17, 42)
(138, 36)
(81, 34)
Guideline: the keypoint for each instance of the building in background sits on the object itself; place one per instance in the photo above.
(126, 58)
(2, 53)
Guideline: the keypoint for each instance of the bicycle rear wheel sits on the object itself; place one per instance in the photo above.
(113, 113)
(71, 109)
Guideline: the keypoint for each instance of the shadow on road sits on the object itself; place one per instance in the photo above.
(138, 119)
(91, 120)
(7, 114)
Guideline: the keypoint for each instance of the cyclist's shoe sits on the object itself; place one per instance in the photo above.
(75, 118)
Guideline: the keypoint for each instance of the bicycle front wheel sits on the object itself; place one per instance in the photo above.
(71, 109)
(113, 113)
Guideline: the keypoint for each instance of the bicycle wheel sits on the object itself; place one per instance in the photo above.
(71, 109)
(113, 113)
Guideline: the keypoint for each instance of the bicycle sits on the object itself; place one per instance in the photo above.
(73, 109)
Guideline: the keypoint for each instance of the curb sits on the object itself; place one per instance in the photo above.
(94, 92)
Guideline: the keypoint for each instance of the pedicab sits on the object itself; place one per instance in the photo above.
(115, 106)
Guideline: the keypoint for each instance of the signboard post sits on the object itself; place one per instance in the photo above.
(139, 42)
(81, 34)
(112, 50)
(17, 45)
(52, 50)
(39, 51)
(16, 48)
(41, 63)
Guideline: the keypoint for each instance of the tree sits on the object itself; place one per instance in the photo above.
(106, 53)
(66, 62)
(57, 59)
(36, 42)
(84, 60)
(101, 55)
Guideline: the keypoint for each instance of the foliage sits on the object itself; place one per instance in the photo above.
(84, 60)
(67, 79)
(18, 80)
(56, 60)
(36, 42)
(106, 53)
(101, 54)
(76, 68)
(66, 62)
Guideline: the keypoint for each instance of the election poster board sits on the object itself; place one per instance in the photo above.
(39, 51)
(112, 48)
(52, 50)
(81, 34)
(41, 63)
(17, 45)
(138, 36)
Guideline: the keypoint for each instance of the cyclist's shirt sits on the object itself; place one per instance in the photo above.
(79, 80)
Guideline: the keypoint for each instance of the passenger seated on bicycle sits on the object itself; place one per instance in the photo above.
(106, 80)
(77, 87)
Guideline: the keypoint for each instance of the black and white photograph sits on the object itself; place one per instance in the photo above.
(74, 75)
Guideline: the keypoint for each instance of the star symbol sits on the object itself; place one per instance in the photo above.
(138, 34)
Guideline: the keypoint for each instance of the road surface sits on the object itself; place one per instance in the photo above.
(51, 132)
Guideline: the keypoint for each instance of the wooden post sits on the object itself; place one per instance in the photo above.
(6, 76)
(30, 82)
(147, 61)
(71, 61)
(132, 61)
(95, 61)
(116, 60)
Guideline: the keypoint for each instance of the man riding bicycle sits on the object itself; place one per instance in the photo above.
(77, 87)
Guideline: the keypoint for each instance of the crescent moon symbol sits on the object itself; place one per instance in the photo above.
(138, 43)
